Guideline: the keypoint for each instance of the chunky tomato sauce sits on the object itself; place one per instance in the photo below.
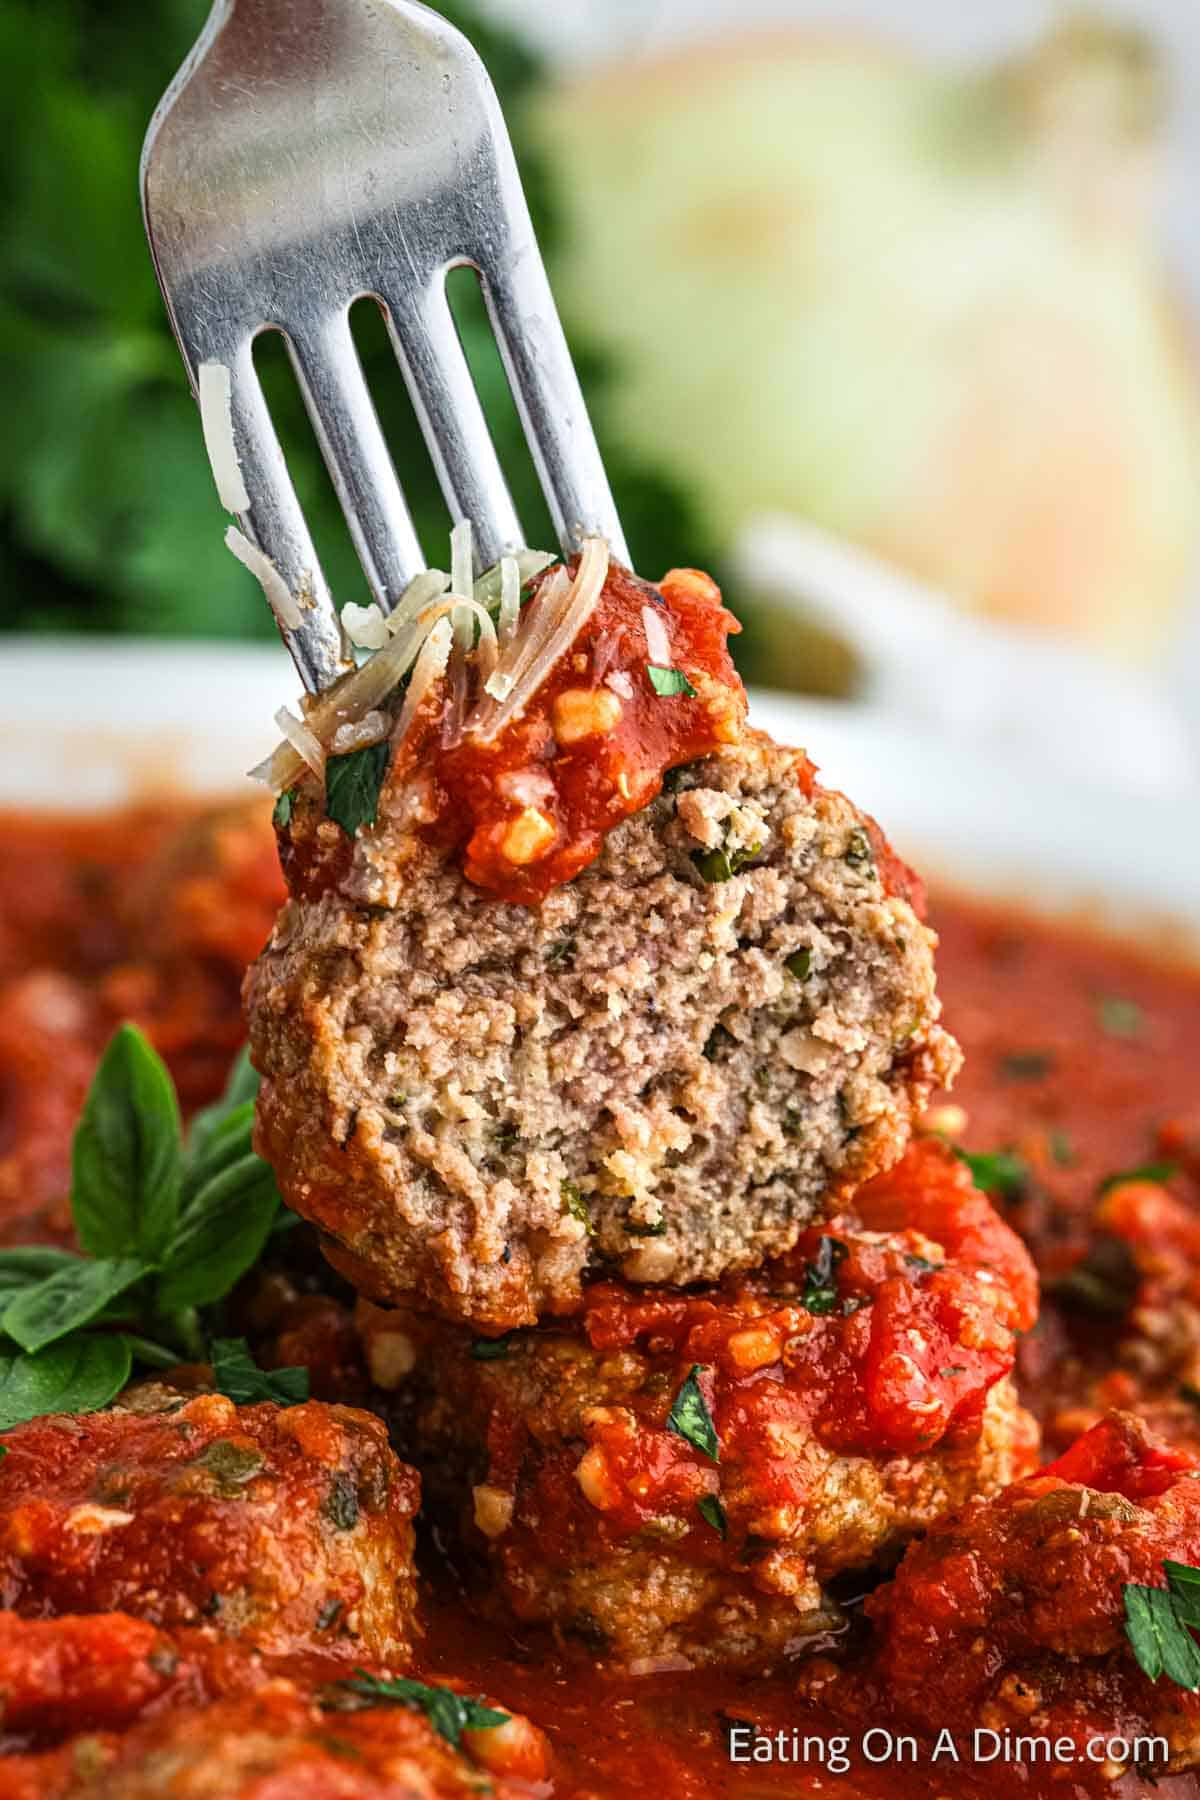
(1082, 1055)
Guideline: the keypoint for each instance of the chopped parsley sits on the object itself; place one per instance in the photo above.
(1157, 1621)
(996, 1172)
(1119, 1018)
(723, 864)
(449, 1713)
(713, 1513)
(689, 1417)
(858, 853)
(577, 1206)
(281, 814)
(820, 1291)
(490, 1349)
(560, 951)
(669, 681)
(1026, 1065)
(658, 1228)
(799, 964)
(353, 784)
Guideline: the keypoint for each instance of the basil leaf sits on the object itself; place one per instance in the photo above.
(73, 1297)
(997, 1172)
(125, 1162)
(226, 1142)
(240, 1087)
(239, 1378)
(78, 1375)
(220, 1235)
(713, 1513)
(689, 1417)
(1161, 1641)
(26, 1265)
(353, 784)
(449, 1713)
(669, 681)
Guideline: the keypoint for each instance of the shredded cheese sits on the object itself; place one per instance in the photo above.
(215, 393)
(658, 642)
(279, 597)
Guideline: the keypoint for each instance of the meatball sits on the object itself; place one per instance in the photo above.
(1012, 1614)
(705, 1040)
(682, 1474)
(276, 1737)
(289, 1528)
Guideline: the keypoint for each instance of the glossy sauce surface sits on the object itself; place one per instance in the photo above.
(1082, 1058)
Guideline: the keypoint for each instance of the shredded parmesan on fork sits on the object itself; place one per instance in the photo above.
(441, 630)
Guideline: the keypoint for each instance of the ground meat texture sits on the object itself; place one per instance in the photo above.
(290, 1528)
(682, 1474)
(282, 1741)
(711, 1036)
(1012, 1614)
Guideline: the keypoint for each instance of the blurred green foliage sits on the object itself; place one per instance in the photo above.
(108, 516)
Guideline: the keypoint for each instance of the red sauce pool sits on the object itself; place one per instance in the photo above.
(1082, 1055)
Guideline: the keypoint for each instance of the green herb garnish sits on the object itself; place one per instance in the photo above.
(1157, 1621)
(239, 1378)
(996, 1172)
(1159, 1171)
(1026, 1065)
(449, 1713)
(281, 812)
(1119, 1018)
(858, 853)
(819, 1293)
(657, 1229)
(689, 1417)
(799, 964)
(577, 1206)
(169, 1226)
(669, 681)
(713, 1513)
(353, 784)
(490, 1349)
(723, 864)
(1104, 1281)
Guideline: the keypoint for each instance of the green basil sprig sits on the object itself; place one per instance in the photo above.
(169, 1225)
(239, 1378)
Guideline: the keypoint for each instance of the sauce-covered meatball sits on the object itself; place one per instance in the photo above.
(289, 1528)
(682, 1473)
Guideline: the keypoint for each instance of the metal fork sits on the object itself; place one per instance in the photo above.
(310, 152)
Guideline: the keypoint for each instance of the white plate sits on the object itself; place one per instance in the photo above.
(89, 723)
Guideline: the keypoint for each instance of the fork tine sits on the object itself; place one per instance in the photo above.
(448, 409)
(549, 400)
(275, 522)
(356, 455)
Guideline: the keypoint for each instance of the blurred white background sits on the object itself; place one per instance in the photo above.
(577, 32)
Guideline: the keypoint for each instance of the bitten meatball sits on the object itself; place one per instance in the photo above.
(682, 1474)
(1013, 1615)
(708, 1038)
(287, 1527)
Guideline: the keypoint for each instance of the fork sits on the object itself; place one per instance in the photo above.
(311, 152)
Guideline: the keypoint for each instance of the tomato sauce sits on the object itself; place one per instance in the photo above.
(1082, 1055)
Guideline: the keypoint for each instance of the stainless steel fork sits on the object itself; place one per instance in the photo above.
(310, 152)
